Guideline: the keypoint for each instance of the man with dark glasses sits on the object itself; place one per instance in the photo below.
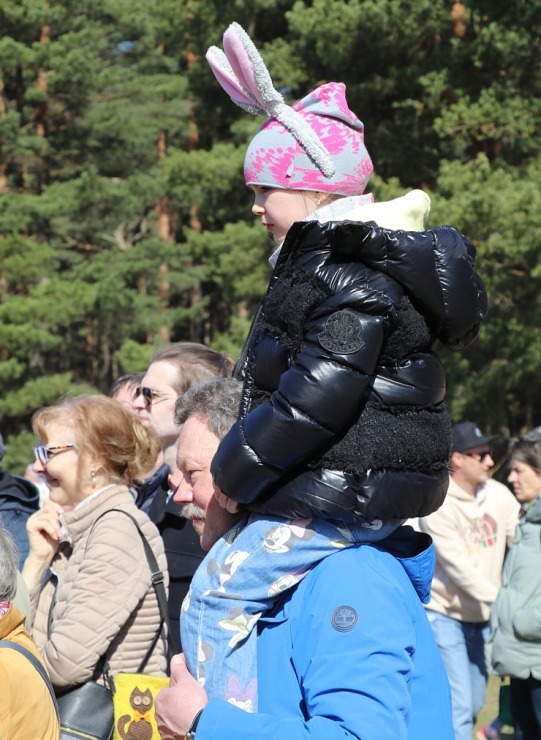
(470, 532)
(125, 388)
(173, 369)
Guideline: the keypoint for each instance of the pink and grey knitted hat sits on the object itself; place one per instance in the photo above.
(318, 144)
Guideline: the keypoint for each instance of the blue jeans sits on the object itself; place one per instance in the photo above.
(462, 648)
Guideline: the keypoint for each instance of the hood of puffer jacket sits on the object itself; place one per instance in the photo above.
(434, 267)
(16, 491)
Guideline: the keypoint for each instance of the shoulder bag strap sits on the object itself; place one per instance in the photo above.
(37, 665)
(159, 587)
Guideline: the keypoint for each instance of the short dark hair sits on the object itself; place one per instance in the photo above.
(217, 401)
(195, 363)
(527, 449)
(130, 379)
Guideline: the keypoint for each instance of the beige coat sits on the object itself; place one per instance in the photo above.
(470, 536)
(105, 601)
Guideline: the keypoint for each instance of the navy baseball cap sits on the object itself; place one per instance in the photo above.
(468, 436)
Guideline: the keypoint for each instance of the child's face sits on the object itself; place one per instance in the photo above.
(279, 209)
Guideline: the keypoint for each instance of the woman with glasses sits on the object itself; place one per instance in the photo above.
(88, 577)
(515, 619)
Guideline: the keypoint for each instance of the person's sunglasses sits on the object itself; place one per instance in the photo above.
(479, 456)
(150, 395)
(147, 393)
(43, 454)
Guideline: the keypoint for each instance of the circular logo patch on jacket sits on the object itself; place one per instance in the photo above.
(344, 618)
(342, 333)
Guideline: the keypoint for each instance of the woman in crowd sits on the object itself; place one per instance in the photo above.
(516, 614)
(86, 569)
(26, 706)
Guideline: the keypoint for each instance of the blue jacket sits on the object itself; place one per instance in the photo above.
(348, 654)
(19, 499)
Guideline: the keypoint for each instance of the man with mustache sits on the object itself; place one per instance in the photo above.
(347, 649)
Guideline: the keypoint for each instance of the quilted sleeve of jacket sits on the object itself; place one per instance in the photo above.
(324, 387)
(435, 267)
(103, 584)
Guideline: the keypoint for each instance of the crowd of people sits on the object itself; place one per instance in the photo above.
(332, 546)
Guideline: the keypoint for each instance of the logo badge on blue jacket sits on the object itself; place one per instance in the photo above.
(344, 618)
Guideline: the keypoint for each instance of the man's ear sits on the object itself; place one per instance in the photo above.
(455, 461)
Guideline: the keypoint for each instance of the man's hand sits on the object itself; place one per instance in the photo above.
(225, 502)
(177, 705)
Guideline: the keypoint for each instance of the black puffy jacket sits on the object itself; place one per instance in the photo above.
(343, 408)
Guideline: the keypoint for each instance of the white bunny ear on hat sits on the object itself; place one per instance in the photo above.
(242, 73)
(230, 83)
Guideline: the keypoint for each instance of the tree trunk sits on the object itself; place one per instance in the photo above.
(41, 112)
(459, 19)
(3, 159)
(165, 232)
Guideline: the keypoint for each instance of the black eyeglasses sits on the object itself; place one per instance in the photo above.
(43, 454)
(479, 456)
(150, 395)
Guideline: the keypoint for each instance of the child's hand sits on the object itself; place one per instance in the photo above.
(225, 502)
